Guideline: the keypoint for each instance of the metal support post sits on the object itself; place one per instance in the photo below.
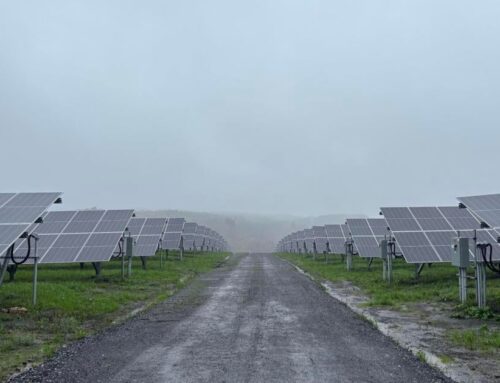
(384, 269)
(97, 268)
(123, 266)
(418, 269)
(462, 283)
(460, 259)
(4, 268)
(389, 268)
(481, 284)
(349, 256)
(386, 256)
(35, 272)
(129, 246)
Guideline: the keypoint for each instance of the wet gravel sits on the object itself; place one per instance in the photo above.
(255, 319)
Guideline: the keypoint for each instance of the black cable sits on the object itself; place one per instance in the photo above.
(487, 255)
(17, 263)
(120, 249)
(492, 264)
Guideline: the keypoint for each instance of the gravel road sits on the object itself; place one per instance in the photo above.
(255, 319)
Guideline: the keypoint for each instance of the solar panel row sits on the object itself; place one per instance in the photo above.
(422, 234)
(78, 236)
(86, 235)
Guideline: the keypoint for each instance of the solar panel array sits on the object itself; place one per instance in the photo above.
(211, 240)
(422, 234)
(191, 236)
(78, 236)
(88, 235)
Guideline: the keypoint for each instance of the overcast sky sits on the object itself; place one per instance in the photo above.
(300, 107)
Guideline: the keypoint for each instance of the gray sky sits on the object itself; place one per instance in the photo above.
(301, 107)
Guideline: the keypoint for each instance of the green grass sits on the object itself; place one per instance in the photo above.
(446, 359)
(421, 356)
(438, 283)
(73, 303)
(482, 339)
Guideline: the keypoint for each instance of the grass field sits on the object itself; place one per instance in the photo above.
(73, 303)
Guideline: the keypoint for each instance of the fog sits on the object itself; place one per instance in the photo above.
(290, 108)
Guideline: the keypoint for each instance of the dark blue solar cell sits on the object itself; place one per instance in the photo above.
(33, 200)
(5, 197)
(425, 212)
(334, 231)
(396, 213)
(359, 227)
(420, 254)
(26, 215)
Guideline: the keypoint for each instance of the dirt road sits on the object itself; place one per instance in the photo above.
(255, 319)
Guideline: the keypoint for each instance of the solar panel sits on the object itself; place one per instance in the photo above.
(210, 238)
(175, 225)
(79, 236)
(345, 230)
(413, 242)
(199, 237)
(189, 236)
(147, 233)
(485, 207)
(297, 244)
(289, 243)
(430, 218)
(336, 238)
(320, 239)
(135, 226)
(18, 211)
(427, 239)
(459, 219)
(367, 234)
(173, 234)
(309, 240)
(300, 240)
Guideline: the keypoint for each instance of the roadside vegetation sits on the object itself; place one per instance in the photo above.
(483, 339)
(73, 302)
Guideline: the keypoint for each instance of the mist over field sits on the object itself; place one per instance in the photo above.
(250, 232)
